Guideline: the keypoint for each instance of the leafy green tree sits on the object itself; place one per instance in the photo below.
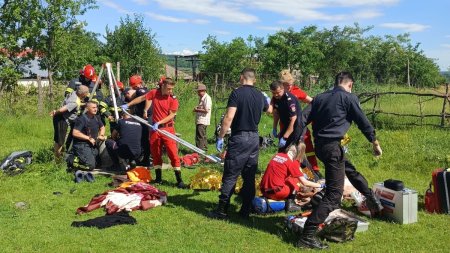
(136, 48)
(15, 27)
(54, 20)
(293, 50)
(226, 58)
(76, 48)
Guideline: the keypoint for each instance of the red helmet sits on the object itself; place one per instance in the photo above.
(89, 71)
(135, 80)
(120, 85)
(161, 80)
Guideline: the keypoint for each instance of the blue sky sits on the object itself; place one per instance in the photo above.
(182, 25)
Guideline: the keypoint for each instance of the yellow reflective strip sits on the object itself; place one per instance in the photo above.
(310, 153)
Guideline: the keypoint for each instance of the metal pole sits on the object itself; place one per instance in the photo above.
(111, 90)
(177, 139)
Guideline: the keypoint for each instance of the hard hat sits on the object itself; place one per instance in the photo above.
(89, 71)
(120, 85)
(135, 80)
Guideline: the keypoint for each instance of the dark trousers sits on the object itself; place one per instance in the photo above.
(123, 151)
(86, 153)
(357, 180)
(201, 140)
(241, 159)
(336, 168)
(332, 155)
(145, 144)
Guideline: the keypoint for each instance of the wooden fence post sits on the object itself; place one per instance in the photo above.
(444, 105)
(421, 111)
(40, 96)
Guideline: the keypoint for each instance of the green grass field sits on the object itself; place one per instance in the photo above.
(410, 154)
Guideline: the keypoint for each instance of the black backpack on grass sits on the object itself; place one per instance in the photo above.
(15, 163)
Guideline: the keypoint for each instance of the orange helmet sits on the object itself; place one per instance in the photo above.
(135, 80)
(120, 85)
(89, 71)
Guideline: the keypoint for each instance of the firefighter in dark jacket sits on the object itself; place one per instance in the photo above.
(126, 140)
(87, 130)
(286, 111)
(332, 113)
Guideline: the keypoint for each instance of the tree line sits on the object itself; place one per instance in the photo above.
(52, 33)
(321, 53)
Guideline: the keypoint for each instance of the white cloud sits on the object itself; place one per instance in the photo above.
(445, 45)
(226, 11)
(184, 52)
(220, 32)
(175, 19)
(367, 14)
(116, 7)
(141, 2)
(406, 27)
(269, 28)
(308, 10)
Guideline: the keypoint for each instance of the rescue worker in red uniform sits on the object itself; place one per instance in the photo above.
(288, 83)
(282, 178)
(165, 106)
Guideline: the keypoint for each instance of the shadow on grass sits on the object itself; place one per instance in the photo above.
(272, 224)
(102, 222)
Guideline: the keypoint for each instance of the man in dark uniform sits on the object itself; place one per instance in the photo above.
(87, 130)
(126, 140)
(332, 113)
(287, 112)
(137, 85)
(244, 110)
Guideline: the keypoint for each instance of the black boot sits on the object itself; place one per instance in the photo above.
(308, 239)
(158, 179)
(373, 205)
(180, 183)
(290, 205)
(220, 213)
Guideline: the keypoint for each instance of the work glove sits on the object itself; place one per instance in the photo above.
(282, 142)
(219, 144)
(155, 126)
(267, 98)
(124, 107)
(274, 132)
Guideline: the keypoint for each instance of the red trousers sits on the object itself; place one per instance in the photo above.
(310, 154)
(157, 141)
(291, 184)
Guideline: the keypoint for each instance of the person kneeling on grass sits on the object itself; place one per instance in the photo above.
(282, 177)
(87, 130)
(126, 141)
